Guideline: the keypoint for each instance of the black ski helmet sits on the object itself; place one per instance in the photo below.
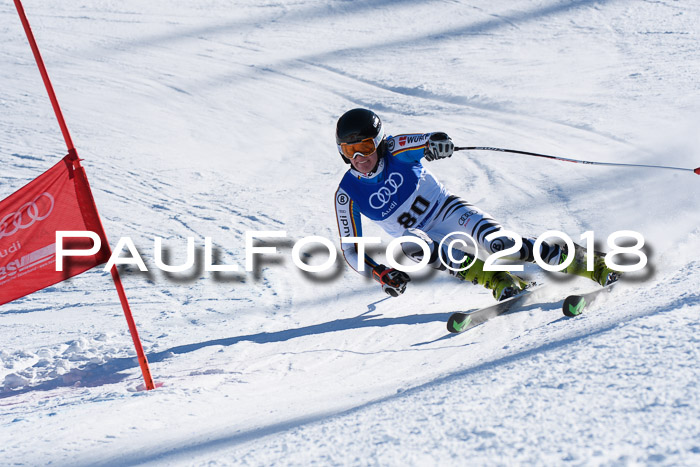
(356, 125)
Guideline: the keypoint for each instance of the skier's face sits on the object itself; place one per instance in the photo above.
(365, 164)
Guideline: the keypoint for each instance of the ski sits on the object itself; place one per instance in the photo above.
(575, 304)
(460, 321)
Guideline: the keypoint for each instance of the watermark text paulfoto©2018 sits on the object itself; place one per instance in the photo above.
(456, 240)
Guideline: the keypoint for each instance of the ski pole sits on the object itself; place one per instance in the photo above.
(513, 151)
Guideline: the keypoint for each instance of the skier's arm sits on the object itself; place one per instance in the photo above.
(439, 146)
(393, 281)
(350, 225)
(412, 148)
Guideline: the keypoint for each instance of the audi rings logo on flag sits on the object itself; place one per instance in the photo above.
(379, 199)
(34, 211)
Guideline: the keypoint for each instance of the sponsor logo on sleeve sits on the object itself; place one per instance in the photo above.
(344, 223)
(413, 140)
(342, 198)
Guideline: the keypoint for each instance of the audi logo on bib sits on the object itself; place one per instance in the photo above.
(381, 197)
(31, 212)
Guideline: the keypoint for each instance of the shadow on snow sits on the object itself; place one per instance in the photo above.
(181, 447)
(110, 372)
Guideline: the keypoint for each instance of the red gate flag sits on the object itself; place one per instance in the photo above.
(59, 199)
(75, 210)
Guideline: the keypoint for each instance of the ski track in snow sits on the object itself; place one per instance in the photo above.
(217, 119)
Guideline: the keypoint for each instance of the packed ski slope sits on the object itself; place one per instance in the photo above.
(212, 119)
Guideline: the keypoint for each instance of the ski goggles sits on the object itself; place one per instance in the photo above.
(363, 148)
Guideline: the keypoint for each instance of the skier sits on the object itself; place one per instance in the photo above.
(388, 184)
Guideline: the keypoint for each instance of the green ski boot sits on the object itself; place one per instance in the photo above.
(601, 273)
(502, 283)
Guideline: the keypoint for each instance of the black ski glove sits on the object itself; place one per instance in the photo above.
(393, 281)
(439, 146)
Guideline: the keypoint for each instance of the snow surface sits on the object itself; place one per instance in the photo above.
(214, 118)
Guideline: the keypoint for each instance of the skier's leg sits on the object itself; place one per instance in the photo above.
(463, 265)
(439, 258)
(457, 216)
(601, 273)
